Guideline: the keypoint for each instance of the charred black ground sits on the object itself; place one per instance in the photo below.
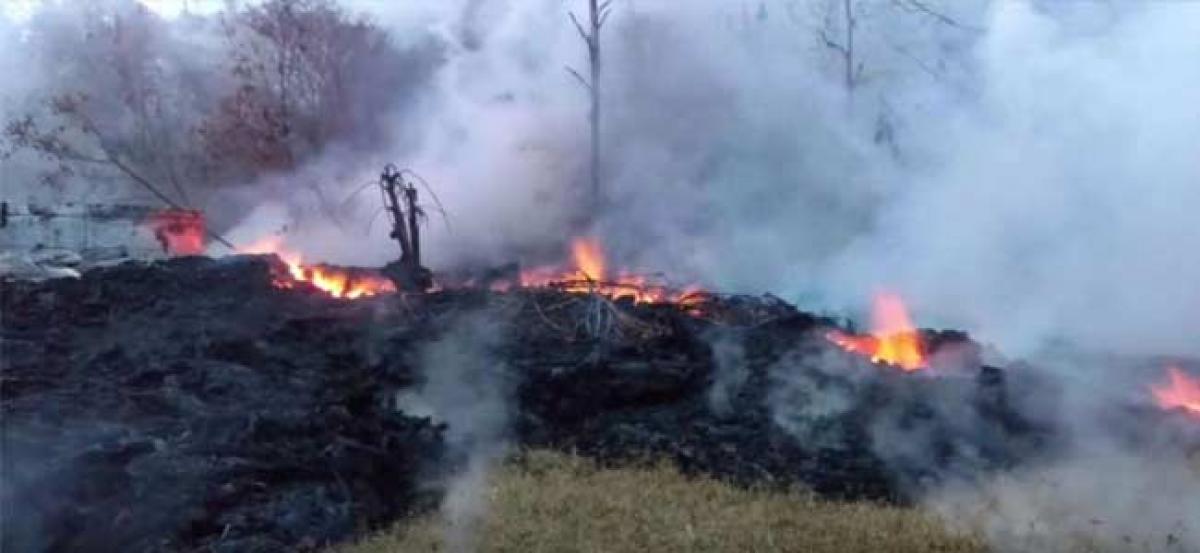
(192, 405)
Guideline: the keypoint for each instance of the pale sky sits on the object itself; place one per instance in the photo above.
(21, 9)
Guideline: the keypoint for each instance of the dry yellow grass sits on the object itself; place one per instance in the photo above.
(547, 502)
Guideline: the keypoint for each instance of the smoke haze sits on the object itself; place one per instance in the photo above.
(1027, 171)
(1038, 188)
(466, 387)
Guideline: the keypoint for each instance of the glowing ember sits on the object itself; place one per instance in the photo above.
(180, 231)
(893, 340)
(335, 281)
(589, 274)
(1179, 392)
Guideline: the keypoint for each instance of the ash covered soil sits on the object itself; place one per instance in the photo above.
(192, 405)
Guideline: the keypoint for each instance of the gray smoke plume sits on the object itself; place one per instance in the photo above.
(730, 372)
(1052, 206)
(466, 387)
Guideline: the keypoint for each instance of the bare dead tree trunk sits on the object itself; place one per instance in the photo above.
(848, 54)
(393, 186)
(414, 226)
(844, 48)
(400, 200)
(594, 113)
(598, 12)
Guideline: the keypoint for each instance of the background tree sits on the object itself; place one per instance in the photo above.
(185, 106)
(876, 44)
(888, 34)
(117, 103)
(306, 74)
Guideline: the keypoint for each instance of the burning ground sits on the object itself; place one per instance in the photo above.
(200, 404)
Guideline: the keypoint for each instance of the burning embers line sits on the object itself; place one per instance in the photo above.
(590, 275)
(336, 281)
(895, 341)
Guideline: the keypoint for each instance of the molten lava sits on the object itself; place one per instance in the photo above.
(1179, 392)
(336, 281)
(589, 274)
(893, 340)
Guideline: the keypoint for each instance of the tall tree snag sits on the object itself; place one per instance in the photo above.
(844, 48)
(598, 13)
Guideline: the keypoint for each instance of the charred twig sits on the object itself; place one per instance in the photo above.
(598, 322)
(563, 303)
(537, 307)
(437, 202)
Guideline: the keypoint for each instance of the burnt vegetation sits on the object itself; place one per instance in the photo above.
(194, 405)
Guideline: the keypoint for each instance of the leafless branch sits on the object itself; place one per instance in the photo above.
(25, 133)
(437, 202)
(917, 6)
(579, 77)
(830, 43)
(604, 17)
(578, 27)
(605, 10)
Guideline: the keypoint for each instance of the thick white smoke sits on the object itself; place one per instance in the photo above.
(1059, 204)
(1026, 173)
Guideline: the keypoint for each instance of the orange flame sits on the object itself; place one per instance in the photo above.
(589, 258)
(337, 282)
(1179, 392)
(893, 340)
(180, 231)
(589, 274)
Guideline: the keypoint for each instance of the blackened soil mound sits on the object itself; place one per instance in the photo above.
(192, 405)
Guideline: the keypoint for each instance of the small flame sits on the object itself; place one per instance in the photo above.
(1179, 392)
(180, 231)
(893, 340)
(589, 274)
(337, 282)
(589, 258)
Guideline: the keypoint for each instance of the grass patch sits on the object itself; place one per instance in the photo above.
(543, 502)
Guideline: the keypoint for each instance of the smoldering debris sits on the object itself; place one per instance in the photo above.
(191, 405)
(236, 414)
